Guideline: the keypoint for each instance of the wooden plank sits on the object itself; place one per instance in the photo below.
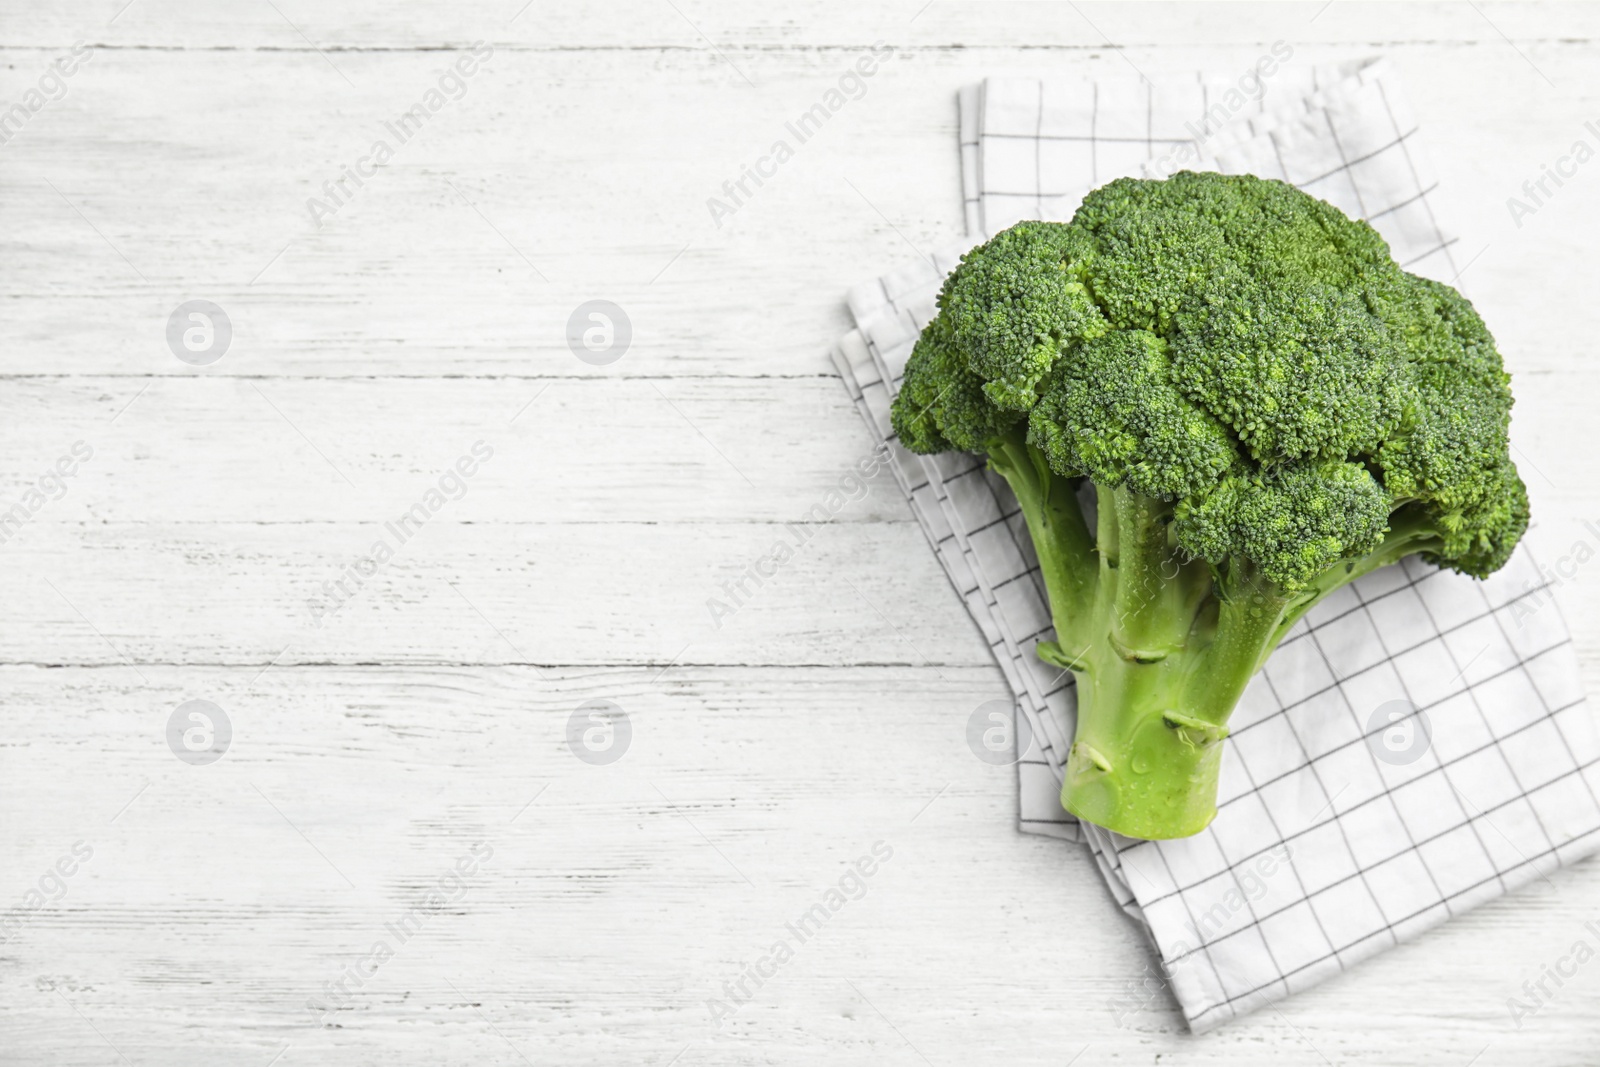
(729, 25)
(355, 450)
(501, 592)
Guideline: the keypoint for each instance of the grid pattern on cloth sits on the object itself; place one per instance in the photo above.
(1330, 844)
(1344, 133)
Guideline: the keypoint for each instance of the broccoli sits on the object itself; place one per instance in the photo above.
(1217, 399)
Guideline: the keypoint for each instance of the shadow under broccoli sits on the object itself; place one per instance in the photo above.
(1266, 407)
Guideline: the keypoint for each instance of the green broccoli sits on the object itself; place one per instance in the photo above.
(1266, 407)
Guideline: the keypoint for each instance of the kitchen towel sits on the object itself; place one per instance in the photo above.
(1420, 742)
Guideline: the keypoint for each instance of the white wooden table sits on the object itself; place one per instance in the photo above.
(429, 714)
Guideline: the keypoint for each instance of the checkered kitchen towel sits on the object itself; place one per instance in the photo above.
(1420, 742)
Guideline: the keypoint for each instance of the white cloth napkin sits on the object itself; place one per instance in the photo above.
(1419, 743)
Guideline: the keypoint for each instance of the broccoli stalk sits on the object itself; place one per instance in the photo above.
(1265, 407)
(1161, 647)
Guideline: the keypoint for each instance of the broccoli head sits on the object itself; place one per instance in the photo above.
(1259, 406)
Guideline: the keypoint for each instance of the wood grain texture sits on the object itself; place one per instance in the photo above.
(431, 713)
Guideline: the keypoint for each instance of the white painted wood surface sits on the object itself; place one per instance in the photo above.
(370, 753)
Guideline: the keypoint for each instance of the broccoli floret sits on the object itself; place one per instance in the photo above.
(941, 405)
(1293, 522)
(1013, 305)
(1114, 412)
(1267, 407)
